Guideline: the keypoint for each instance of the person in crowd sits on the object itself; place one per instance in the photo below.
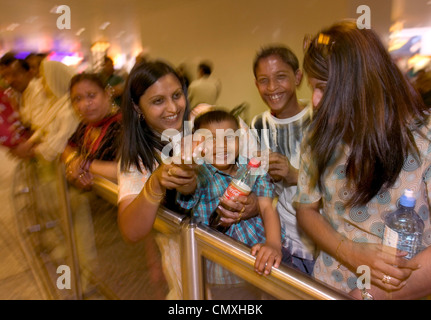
(93, 148)
(182, 71)
(12, 131)
(222, 162)
(44, 107)
(205, 89)
(5, 61)
(113, 80)
(369, 141)
(280, 131)
(34, 60)
(90, 153)
(155, 103)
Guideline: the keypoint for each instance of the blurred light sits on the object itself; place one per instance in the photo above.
(397, 44)
(68, 58)
(119, 61)
(100, 46)
(426, 43)
(418, 62)
(32, 19)
(104, 25)
(73, 60)
(80, 31)
(120, 34)
(12, 26)
(53, 9)
(22, 54)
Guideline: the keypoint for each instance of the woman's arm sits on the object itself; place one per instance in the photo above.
(136, 216)
(417, 286)
(378, 258)
(106, 169)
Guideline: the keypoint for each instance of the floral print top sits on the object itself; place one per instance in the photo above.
(364, 224)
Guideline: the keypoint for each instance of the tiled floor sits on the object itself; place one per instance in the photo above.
(124, 271)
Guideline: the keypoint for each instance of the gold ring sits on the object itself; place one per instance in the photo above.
(169, 172)
(240, 215)
(386, 279)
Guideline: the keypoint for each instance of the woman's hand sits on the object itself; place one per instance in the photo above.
(181, 177)
(76, 174)
(238, 208)
(389, 269)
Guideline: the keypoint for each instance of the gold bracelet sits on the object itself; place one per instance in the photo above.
(70, 158)
(149, 197)
(155, 197)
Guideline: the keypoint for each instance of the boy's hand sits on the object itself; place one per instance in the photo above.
(267, 256)
(279, 166)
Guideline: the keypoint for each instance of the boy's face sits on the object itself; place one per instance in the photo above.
(222, 145)
(277, 82)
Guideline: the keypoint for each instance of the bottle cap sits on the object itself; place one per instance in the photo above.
(254, 163)
(408, 199)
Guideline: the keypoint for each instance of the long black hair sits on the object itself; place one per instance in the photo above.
(368, 105)
(140, 143)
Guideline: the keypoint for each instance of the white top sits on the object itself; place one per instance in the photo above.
(284, 136)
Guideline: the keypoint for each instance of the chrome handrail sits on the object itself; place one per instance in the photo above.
(199, 241)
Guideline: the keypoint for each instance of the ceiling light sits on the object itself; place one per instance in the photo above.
(104, 25)
(12, 26)
(80, 31)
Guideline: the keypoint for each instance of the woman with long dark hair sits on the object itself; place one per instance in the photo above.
(368, 142)
(154, 102)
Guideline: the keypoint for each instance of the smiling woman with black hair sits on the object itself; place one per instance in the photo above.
(155, 100)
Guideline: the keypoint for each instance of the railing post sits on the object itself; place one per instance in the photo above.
(191, 266)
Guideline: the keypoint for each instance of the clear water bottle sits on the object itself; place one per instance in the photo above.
(241, 185)
(404, 227)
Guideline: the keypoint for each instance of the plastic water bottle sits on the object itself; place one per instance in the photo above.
(241, 185)
(404, 227)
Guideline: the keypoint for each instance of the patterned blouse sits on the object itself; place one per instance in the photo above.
(364, 224)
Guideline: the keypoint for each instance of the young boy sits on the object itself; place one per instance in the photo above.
(281, 129)
(222, 162)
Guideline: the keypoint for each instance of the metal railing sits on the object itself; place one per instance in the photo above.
(199, 242)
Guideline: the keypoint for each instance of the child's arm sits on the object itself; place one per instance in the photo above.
(268, 254)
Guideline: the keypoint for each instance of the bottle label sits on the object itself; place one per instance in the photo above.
(236, 189)
(390, 237)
